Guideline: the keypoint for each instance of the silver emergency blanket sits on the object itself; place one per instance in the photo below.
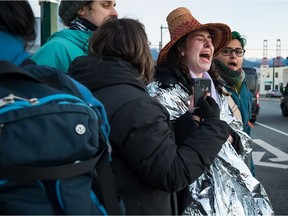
(227, 187)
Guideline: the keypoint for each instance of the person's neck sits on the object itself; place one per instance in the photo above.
(82, 24)
(196, 75)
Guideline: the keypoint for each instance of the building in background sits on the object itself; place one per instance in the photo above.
(273, 78)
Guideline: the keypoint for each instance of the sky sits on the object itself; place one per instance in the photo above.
(256, 20)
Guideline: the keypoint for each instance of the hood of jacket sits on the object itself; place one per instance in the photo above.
(12, 48)
(96, 74)
(78, 37)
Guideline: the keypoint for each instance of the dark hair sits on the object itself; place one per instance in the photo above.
(174, 57)
(127, 39)
(17, 18)
(242, 40)
(214, 72)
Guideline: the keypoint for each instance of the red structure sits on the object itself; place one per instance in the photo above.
(265, 62)
(278, 62)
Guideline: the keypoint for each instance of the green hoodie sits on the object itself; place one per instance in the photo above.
(62, 48)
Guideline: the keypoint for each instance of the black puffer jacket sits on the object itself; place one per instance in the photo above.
(148, 165)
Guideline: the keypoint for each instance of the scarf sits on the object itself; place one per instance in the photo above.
(233, 78)
(12, 48)
(82, 24)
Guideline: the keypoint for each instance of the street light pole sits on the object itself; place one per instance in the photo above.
(49, 18)
(161, 37)
(273, 75)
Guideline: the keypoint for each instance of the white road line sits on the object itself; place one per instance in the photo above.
(278, 131)
(257, 156)
(280, 155)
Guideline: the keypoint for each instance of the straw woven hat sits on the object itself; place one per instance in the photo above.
(181, 22)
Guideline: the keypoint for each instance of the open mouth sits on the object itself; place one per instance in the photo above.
(232, 65)
(205, 56)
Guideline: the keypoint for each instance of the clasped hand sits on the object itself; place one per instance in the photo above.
(205, 108)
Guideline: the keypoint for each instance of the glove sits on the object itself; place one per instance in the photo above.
(237, 144)
(207, 108)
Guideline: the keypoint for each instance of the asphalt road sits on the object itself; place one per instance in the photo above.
(270, 153)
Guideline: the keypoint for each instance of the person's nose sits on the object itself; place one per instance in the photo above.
(208, 43)
(114, 12)
(233, 54)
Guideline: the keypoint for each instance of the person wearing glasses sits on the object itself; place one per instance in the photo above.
(229, 61)
(227, 72)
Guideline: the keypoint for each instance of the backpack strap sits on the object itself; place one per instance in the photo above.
(104, 181)
(234, 108)
(47, 173)
(90, 99)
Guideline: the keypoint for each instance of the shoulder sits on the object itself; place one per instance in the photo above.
(168, 76)
(173, 98)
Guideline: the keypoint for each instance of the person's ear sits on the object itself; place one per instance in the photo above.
(82, 12)
(181, 51)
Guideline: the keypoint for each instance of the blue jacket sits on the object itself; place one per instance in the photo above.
(12, 48)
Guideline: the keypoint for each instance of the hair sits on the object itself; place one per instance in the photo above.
(124, 38)
(17, 18)
(236, 35)
(174, 57)
(214, 72)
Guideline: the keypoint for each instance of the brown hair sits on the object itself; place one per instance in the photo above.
(214, 73)
(174, 57)
(127, 39)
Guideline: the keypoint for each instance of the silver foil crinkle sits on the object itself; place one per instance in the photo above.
(227, 187)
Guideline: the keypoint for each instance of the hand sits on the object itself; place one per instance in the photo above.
(191, 104)
(236, 142)
(207, 108)
(230, 139)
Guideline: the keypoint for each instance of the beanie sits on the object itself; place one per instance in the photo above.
(68, 10)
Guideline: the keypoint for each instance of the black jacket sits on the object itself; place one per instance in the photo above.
(148, 165)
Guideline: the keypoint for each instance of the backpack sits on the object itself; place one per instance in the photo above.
(54, 149)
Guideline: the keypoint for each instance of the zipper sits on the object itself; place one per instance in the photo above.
(11, 99)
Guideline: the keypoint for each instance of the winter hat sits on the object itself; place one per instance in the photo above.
(181, 22)
(68, 10)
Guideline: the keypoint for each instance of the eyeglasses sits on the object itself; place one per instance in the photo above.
(228, 51)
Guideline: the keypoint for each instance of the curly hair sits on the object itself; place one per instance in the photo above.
(236, 35)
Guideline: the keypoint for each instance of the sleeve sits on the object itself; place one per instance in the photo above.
(53, 54)
(184, 126)
(150, 150)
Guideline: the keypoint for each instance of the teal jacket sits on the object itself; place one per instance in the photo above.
(62, 48)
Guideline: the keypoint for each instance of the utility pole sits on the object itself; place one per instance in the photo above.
(273, 75)
(49, 18)
(161, 37)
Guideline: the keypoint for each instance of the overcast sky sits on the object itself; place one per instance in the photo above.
(256, 20)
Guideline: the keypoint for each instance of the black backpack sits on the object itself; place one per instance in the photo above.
(54, 149)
